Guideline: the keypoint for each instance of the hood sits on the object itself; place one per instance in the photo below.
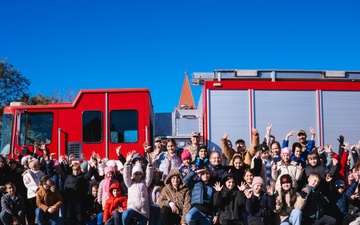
(174, 172)
(226, 175)
(115, 185)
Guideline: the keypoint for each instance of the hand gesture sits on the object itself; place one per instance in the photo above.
(346, 146)
(268, 129)
(217, 186)
(215, 220)
(335, 161)
(120, 210)
(148, 158)
(146, 147)
(273, 166)
(258, 154)
(354, 196)
(248, 193)
(328, 148)
(299, 167)
(341, 140)
(358, 145)
(278, 201)
(129, 156)
(225, 136)
(320, 150)
(71, 157)
(270, 189)
(328, 178)
(254, 131)
(243, 186)
(117, 149)
(312, 131)
(291, 133)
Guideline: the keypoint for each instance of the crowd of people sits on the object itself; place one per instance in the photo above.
(269, 183)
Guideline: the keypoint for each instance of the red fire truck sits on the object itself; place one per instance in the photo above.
(97, 120)
(233, 101)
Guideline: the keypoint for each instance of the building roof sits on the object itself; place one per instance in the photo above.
(186, 98)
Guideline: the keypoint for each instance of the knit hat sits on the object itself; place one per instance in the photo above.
(285, 179)
(111, 163)
(262, 147)
(84, 166)
(286, 150)
(185, 155)
(32, 163)
(137, 168)
(339, 183)
(109, 169)
(257, 180)
(226, 176)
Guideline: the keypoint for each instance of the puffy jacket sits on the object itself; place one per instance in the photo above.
(114, 202)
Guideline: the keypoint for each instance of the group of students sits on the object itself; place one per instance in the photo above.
(267, 184)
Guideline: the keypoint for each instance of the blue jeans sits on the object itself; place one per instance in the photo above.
(97, 220)
(130, 214)
(195, 215)
(6, 218)
(294, 218)
(115, 219)
(155, 217)
(41, 216)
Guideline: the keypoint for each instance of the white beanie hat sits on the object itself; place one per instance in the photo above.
(137, 168)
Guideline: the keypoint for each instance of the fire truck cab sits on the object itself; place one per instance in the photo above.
(97, 120)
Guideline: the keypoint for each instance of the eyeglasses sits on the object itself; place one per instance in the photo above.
(299, 135)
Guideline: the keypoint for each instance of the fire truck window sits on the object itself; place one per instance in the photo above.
(124, 126)
(92, 124)
(35, 127)
(6, 134)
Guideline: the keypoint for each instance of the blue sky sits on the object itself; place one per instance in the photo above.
(78, 44)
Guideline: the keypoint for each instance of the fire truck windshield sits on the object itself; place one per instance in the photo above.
(6, 133)
(35, 127)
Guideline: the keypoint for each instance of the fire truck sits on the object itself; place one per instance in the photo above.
(234, 101)
(97, 120)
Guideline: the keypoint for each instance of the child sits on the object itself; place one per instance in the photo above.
(314, 209)
(261, 163)
(75, 188)
(186, 167)
(154, 193)
(238, 169)
(286, 166)
(230, 200)
(115, 205)
(216, 168)
(289, 203)
(138, 197)
(31, 178)
(201, 201)
(48, 201)
(169, 159)
(275, 151)
(202, 157)
(340, 198)
(174, 199)
(259, 205)
(93, 208)
(109, 179)
(13, 206)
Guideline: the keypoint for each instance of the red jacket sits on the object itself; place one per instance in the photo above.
(113, 203)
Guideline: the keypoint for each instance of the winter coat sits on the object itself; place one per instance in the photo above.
(113, 202)
(15, 206)
(260, 207)
(315, 205)
(166, 165)
(75, 187)
(31, 180)
(230, 203)
(181, 197)
(201, 193)
(291, 169)
(283, 210)
(138, 197)
(47, 198)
